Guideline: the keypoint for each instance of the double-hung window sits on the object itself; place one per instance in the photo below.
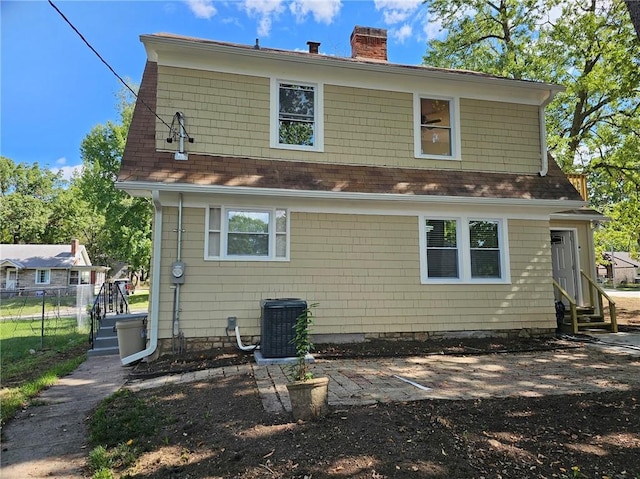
(296, 115)
(79, 277)
(247, 233)
(459, 250)
(436, 130)
(43, 276)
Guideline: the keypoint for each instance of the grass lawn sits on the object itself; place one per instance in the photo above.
(28, 306)
(32, 362)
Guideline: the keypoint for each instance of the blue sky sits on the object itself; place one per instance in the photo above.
(54, 90)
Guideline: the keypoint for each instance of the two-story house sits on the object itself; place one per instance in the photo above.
(407, 201)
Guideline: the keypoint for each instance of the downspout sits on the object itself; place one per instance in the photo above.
(155, 285)
(176, 293)
(543, 135)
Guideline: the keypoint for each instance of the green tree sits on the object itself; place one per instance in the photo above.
(120, 226)
(28, 196)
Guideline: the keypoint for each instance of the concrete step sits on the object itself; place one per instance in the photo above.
(103, 351)
(106, 342)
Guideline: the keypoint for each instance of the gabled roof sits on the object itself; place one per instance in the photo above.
(622, 259)
(141, 163)
(43, 256)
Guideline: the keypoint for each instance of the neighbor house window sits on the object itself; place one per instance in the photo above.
(296, 111)
(463, 250)
(436, 127)
(246, 233)
(43, 276)
(79, 277)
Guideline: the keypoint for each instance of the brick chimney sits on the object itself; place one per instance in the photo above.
(369, 43)
(313, 47)
(74, 246)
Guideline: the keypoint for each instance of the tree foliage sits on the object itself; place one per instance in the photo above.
(591, 49)
(121, 229)
(37, 206)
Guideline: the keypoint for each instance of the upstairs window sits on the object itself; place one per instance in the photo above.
(296, 123)
(246, 234)
(436, 128)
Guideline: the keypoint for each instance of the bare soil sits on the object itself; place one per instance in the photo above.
(219, 429)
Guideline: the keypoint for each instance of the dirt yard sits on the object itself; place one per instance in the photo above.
(220, 430)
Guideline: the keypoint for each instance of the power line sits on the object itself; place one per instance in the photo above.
(108, 66)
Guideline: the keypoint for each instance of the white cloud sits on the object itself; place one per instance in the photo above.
(266, 10)
(432, 29)
(61, 161)
(323, 11)
(397, 11)
(202, 8)
(402, 33)
(68, 171)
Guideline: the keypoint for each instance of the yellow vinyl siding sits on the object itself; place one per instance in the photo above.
(364, 270)
(500, 136)
(229, 115)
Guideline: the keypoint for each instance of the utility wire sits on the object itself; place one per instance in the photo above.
(108, 66)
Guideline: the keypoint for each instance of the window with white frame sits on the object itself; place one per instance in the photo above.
(43, 276)
(79, 277)
(463, 250)
(297, 113)
(247, 233)
(442, 248)
(436, 127)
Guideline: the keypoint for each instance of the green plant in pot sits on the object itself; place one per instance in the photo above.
(308, 394)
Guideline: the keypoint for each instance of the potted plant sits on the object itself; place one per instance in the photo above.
(308, 395)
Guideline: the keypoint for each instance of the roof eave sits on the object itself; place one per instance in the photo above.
(140, 188)
(153, 43)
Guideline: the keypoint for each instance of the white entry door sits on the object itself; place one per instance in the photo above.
(11, 279)
(565, 266)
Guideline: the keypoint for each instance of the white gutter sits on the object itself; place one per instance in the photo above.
(155, 285)
(141, 186)
(543, 135)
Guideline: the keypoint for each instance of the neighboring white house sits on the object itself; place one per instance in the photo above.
(25, 267)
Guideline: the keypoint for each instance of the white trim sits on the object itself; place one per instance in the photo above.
(318, 112)
(464, 250)
(454, 119)
(144, 188)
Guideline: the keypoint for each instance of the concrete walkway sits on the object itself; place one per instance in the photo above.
(50, 440)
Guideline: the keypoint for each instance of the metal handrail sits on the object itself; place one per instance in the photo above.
(98, 311)
(110, 298)
(573, 307)
(602, 294)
